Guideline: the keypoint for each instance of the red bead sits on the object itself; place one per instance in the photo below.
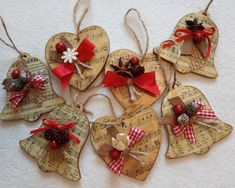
(60, 47)
(178, 109)
(53, 145)
(198, 37)
(134, 60)
(114, 154)
(15, 73)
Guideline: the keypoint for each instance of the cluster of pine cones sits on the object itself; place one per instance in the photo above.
(59, 136)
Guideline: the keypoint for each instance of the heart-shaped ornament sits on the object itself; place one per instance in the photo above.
(149, 71)
(191, 123)
(29, 105)
(57, 144)
(90, 54)
(140, 158)
(198, 37)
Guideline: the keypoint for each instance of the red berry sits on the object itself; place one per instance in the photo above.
(134, 60)
(53, 145)
(60, 47)
(15, 73)
(114, 154)
(178, 109)
(198, 37)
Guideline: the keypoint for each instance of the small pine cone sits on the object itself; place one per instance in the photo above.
(191, 109)
(25, 76)
(183, 119)
(137, 70)
(62, 137)
(16, 85)
(50, 134)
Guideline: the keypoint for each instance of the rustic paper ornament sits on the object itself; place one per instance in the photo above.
(143, 80)
(207, 130)
(140, 158)
(28, 86)
(90, 52)
(64, 159)
(198, 36)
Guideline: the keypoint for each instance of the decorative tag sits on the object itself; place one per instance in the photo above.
(29, 90)
(198, 36)
(128, 144)
(191, 123)
(57, 144)
(78, 62)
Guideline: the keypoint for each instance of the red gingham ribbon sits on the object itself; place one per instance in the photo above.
(135, 135)
(49, 123)
(16, 98)
(187, 130)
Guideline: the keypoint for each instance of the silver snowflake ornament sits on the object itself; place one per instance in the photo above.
(69, 55)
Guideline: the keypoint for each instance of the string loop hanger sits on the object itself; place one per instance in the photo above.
(11, 44)
(173, 66)
(84, 13)
(142, 51)
(207, 7)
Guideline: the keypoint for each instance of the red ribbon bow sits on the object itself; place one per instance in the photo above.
(187, 130)
(49, 123)
(183, 34)
(146, 81)
(16, 97)
(135, 135)
(65, 71)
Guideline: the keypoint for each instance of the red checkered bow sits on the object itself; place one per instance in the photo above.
(187, 130)
(16, 98)
(135, 135)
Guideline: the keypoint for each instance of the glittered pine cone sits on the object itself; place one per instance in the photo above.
(50, 134)
(137, 70)
(25, 76)
(16, 85)
(191, 109)
(183, 119)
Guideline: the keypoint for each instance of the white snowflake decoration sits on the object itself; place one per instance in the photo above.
(69, 55)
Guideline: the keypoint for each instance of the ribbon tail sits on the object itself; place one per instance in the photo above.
(15, 98)
(111, 79)
(147, 81)
(189, 133)
(116, 166)
(64, 72)
(74, 137)
(177, 130)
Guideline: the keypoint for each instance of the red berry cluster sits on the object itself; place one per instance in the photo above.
(114, 154)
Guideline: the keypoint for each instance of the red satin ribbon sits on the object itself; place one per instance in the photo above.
(65, 71)
(49, 123)
(146, 81)
(183, 34)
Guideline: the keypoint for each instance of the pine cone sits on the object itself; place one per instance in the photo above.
(62, 137)
(16, 85)
(50, 134)
(59, 136)
(25, 76)
(191, 109)
(183, 119)
(137, 70)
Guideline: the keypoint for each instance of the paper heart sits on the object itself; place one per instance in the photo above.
(143, 118)
(98, 37)
(195, 62)
(63, 160)
(150, 64)
(205, 136)
(31, 107)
